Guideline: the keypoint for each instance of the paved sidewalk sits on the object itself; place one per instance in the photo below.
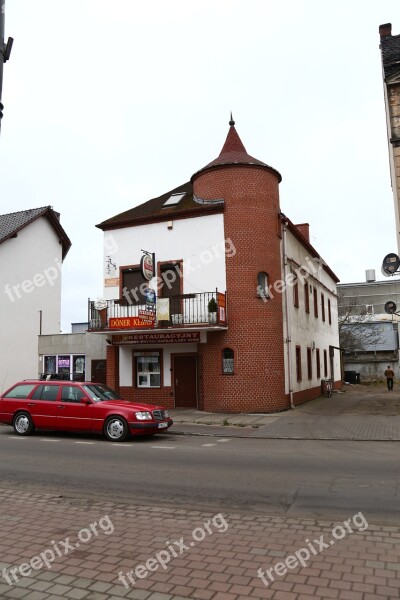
(218, 561)
(361, 412)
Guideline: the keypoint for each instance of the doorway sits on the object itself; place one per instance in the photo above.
(185, 381)
(99, 373)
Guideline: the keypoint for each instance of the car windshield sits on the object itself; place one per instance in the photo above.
(100, 392)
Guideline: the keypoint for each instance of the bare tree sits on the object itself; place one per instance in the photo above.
(357, 330)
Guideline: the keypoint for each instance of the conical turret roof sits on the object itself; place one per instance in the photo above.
(234, 153)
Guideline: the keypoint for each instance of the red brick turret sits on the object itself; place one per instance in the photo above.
(250, 192)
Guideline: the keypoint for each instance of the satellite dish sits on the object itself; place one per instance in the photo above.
(390, 264)
(390, 307)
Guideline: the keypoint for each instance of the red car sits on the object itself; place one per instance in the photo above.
(83, 406)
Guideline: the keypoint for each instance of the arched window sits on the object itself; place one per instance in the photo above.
(262, 285)
(227, 361)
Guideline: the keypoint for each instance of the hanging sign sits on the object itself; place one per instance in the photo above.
(147, 265)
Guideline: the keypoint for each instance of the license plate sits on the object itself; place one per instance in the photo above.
(162, 425)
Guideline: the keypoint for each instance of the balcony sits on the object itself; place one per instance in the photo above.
(185, 310)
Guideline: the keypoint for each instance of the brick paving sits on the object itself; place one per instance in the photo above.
(364, 565)
(362, 413)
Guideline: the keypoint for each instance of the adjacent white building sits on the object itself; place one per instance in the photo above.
(33, 245)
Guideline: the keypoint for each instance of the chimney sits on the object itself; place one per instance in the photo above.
(370, 276)
(304, 229)
(385, 30)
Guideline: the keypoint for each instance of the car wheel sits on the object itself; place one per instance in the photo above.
(23, 424)
(116, 429)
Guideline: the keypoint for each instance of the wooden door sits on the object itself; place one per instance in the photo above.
(185, 381)
(99, 373)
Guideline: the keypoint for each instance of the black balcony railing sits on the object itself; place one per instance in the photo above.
(184, 309)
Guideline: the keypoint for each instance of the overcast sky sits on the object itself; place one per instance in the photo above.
(111, 103)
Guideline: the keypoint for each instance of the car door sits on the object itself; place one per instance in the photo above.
(73, 413)
(42, 405)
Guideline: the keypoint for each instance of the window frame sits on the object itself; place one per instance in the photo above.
(325, 364)
(137, 354)
(315, 293)
(223, 359)
(296, 292)
(322, 306)
(309, 363)
(318, 358)
(263, 285)
(329, 312)
(306, 298)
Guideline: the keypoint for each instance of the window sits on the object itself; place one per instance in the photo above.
(309, 363)
(323, 307)
(296, 293)
(262, 285)
(174, 199)
(78, 364)
(325, 364)
(148, 370)
(318, 364)
(298, 363)
(20, 391)
(170, 274)
(227, 361)
(133, 286)
(64, 366)
(369, 309)
(71, 393)
(46, 392)
(315, 302)
(329, 312)
(306, 298)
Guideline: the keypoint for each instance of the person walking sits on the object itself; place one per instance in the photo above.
(389, 374)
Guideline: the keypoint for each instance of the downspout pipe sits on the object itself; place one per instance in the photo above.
(288, 339)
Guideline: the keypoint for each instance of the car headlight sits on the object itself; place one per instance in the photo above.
(143, 416)
(166, 414)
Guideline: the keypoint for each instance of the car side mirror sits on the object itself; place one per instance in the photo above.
(85, 401)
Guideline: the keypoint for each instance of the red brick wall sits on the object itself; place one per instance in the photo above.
(255, 329)
(161, 396)
(113, 367)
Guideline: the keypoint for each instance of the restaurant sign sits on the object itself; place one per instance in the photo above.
(129, 322)
(177, 337)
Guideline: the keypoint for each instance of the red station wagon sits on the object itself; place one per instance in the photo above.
(83, 406)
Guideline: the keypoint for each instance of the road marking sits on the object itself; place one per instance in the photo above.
(91, 443)
(224, 440)
(164, 447)
(17, 437)
(208, 445)
(46, 440)
(123, 445)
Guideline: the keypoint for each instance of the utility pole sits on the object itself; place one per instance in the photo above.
(5, 51)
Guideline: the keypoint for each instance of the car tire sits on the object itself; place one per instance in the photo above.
(23, 424)
(116, 429)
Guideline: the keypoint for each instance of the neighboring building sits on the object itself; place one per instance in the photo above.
(33, 245)
(74, 356)
(228, 334)
(369, 334)
(390, 52)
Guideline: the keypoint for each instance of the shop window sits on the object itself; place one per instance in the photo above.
(309, 363)
(148, 370)
(318, 364)
(78, 366)
(50, 365)
(306, 298)
(227, 361)
(262, 285)
(298, 363)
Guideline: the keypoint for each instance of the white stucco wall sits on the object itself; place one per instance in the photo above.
(305, 329)
(199, 242)
(30, 281)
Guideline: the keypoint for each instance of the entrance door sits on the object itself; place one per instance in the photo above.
(185, 381)
(99, 371)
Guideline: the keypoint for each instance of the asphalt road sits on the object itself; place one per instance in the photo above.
(324, 479)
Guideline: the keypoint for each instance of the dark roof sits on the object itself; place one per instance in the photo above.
(12, 223)
(234, 153)
(154, 210)
(390, 49)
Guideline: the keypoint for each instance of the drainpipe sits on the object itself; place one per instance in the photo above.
(287, 316)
